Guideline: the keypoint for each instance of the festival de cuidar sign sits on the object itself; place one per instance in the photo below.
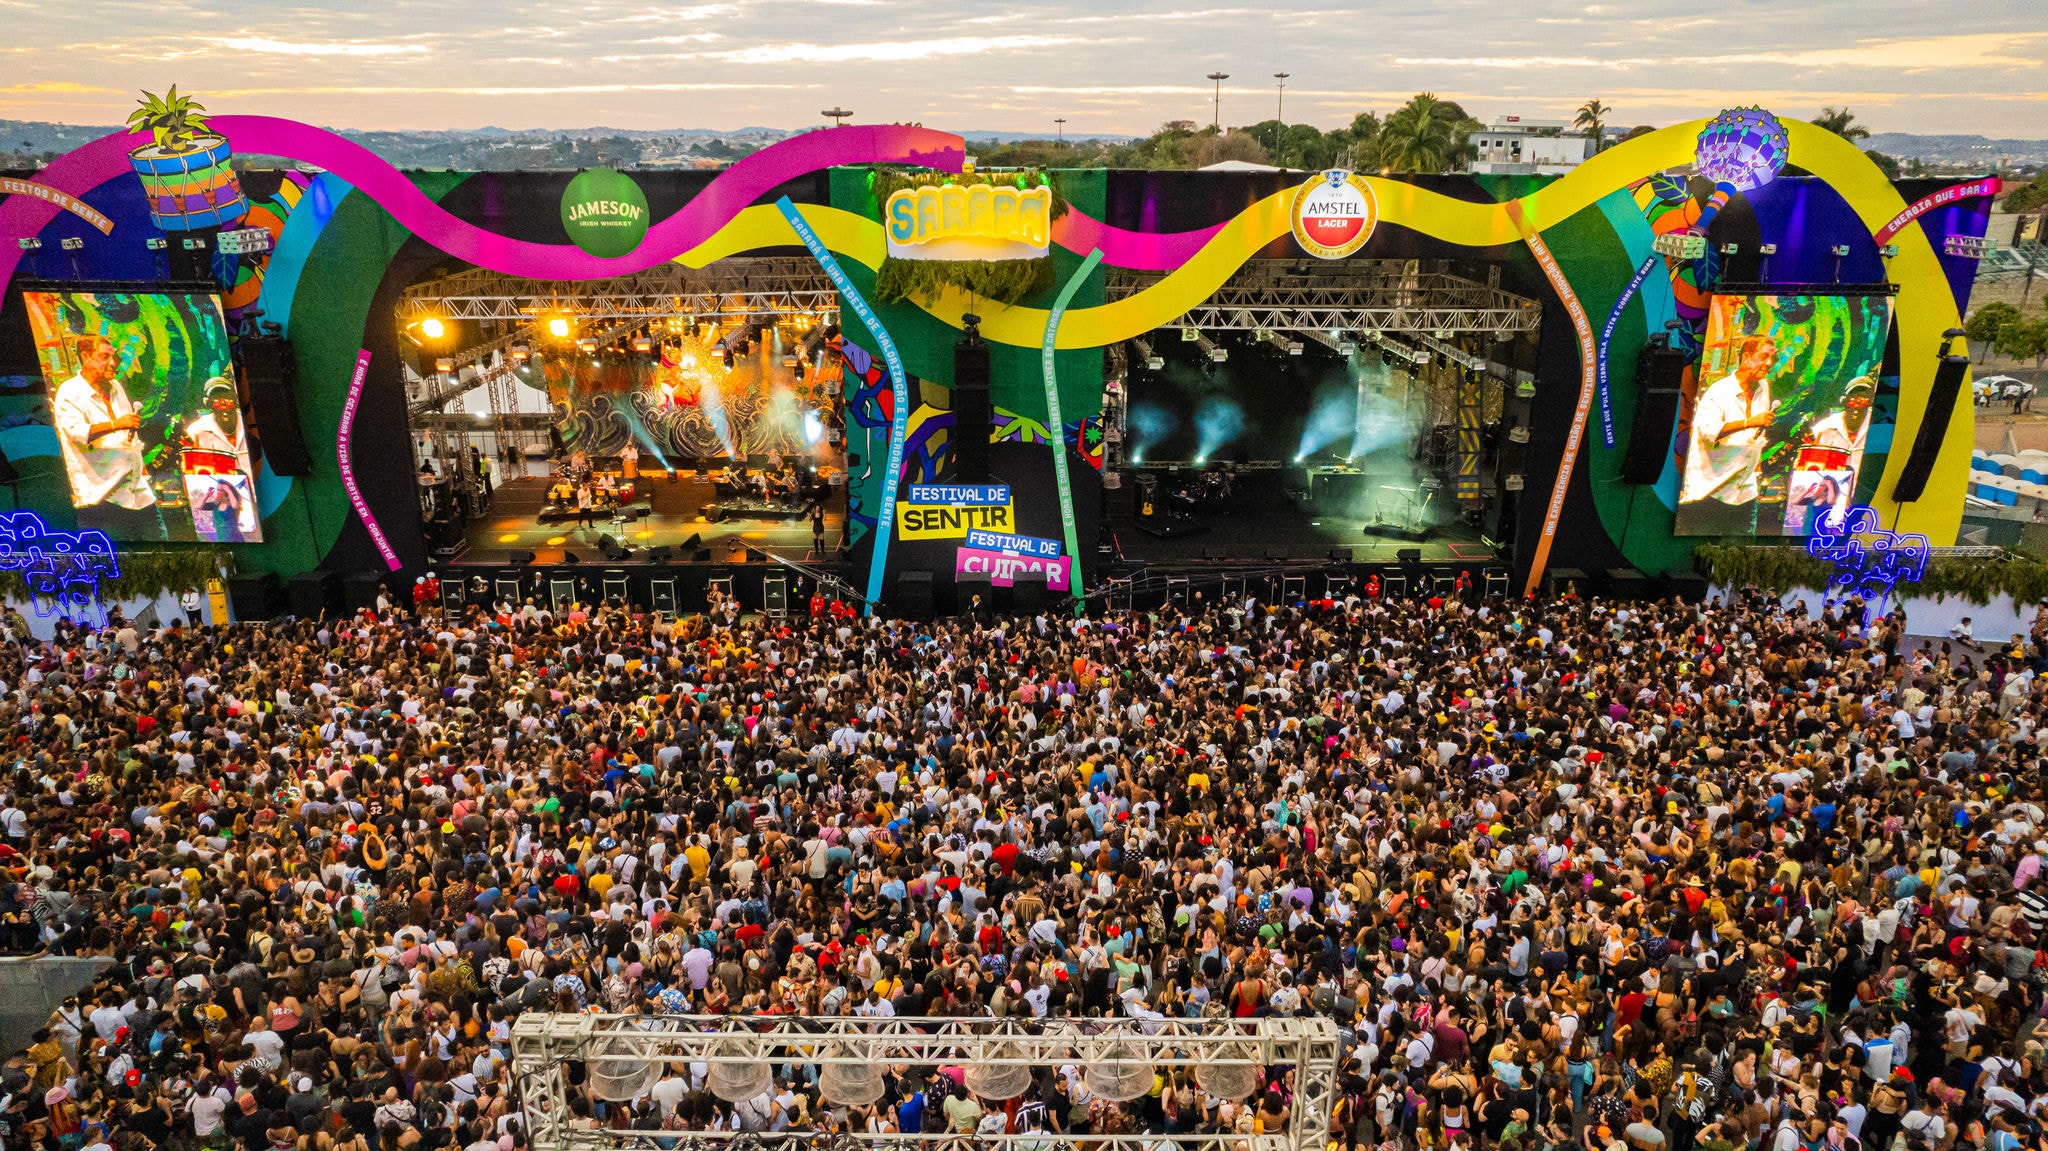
(604, 212)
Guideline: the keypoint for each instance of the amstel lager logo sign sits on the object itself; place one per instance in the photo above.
(1333, 214)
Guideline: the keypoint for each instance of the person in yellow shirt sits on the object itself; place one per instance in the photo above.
(698, 858)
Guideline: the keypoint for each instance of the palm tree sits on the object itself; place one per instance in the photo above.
(1592, 119)
(1841, 122)
(1421, 136)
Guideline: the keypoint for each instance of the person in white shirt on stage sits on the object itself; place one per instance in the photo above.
(97, 433)
(1730, 426)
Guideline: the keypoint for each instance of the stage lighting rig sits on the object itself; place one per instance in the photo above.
(1151, 361)
(1210, 349)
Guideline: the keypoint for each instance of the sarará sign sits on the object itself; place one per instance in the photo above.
(604, 212)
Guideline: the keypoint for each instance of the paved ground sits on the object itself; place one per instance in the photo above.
(2029, 431)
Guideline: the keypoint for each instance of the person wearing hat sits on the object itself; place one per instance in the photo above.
(1847, 429)
(216, 465)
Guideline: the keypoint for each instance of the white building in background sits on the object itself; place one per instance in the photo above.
(1515, 146)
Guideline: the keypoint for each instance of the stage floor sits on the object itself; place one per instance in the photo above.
(1265, 522)
(513, 525)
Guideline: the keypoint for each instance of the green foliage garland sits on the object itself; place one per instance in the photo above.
(1007, 282)
(1782, 569)
(150, 573)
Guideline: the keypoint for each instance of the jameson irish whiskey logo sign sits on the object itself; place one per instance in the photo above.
(605, 212)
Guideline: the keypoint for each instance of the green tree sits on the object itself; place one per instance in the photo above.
(1841, 122)
(1987, 322)
(1232, 145)
(1269, 133)
(1592, 119)
(1888, 164)
(1355, 146)
(2020, 340)
(2028, 197)
(1425, 135)
(1172, 146)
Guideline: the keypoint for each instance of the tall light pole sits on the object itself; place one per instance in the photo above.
(1216, 115)
(836, 114)
(1060, 129)
(1280, 104)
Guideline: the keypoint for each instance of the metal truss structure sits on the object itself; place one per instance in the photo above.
(1341, 298)
(544, 1043)
(747, 286)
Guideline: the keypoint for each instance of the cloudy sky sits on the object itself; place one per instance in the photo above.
(1107, 66)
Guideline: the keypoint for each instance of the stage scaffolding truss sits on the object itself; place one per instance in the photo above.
(622, 1056)
(752, 286)
(1343, 299)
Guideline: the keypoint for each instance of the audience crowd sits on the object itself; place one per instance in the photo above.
(1566, 873)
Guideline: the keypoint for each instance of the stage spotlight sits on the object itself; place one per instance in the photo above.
(642, 344)
(432, 328)
(444, 365)
(521, 353)
(1300, 457)
(728, 360)
(587, 344)
(558, 328)
(1200, 460)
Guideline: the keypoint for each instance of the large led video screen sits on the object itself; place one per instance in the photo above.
(143, 400)
(1781, 413)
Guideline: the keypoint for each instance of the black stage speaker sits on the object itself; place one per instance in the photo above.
(1659, 372)
(1941, 404)
(273, 379)
(1029, 595)
(314, 592)
(1409, 555)
(360, 591)
(1689, 586)
(914, 594)
(253, 597)
(971, 412)
(519, 559)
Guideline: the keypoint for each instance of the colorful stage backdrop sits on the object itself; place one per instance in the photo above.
(346, 242)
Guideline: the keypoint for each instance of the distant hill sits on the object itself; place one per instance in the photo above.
(1975, 151)
(491, 149)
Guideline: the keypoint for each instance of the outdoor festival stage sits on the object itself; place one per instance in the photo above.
(666, 514)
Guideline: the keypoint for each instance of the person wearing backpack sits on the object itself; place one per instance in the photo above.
(1692, 1098)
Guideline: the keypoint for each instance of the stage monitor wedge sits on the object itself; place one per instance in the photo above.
(1660, 376)
(271, 373)
(1941, 405)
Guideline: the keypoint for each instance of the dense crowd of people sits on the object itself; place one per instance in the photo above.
(1570, 873)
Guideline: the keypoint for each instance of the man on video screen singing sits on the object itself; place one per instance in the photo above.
(97, 428)
(1729, 429)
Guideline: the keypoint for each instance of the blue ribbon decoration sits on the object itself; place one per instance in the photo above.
(1606, 337)
(899, 423)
